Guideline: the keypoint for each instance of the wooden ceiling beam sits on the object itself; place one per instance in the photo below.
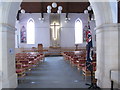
(73, 7)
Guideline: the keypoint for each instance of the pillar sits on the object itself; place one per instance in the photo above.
(107, 53)
(9, 77)
(8, 15)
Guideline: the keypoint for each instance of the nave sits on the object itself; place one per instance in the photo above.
(54, 72)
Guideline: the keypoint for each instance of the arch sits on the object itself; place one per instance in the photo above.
(78, 31)
(8, 12)
(30, 31)
(101, 11)
(104, 12)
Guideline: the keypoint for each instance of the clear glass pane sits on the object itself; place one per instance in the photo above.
(78, 32)
(30, 31)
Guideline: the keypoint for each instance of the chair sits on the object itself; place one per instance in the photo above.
(25, 64)
(20, 70)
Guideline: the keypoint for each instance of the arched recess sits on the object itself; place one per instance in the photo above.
(103, 15)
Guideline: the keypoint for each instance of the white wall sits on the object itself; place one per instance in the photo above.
(41, 29)
(42, 32)
(67, 29)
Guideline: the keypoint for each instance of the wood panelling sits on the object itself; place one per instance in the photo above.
(41, 7)
(119, 12)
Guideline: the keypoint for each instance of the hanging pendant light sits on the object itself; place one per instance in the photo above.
(60, 8)
(85, 11)
(22, 11)
(49, 7)
(59, 11)
(54, 5)
(89, 8)
(48, 11)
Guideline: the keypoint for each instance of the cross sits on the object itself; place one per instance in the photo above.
(54, 30)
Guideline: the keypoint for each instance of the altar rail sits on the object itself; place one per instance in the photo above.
(50, 51)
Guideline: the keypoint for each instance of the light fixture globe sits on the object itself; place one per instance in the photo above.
(54, 5)
(49, 7)
(85, 11)
(89, 8)
(68, 19)
(60, 8)
(59, 11)
(22, 11)
(41, 19)
(19, 8)
(17, 21)
(48, 11)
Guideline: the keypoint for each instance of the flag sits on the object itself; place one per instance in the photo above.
(88, 48)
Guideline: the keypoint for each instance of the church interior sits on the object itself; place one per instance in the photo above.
(59, 44)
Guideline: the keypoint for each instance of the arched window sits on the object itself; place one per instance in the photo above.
(30, 31)
(78, 31)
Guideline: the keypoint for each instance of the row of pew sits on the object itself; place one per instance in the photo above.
(78, 59)
(27, 61)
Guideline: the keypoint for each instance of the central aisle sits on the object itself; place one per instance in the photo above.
(54, 72)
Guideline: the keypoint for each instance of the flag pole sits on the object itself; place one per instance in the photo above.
(89, 61)
(93, 84)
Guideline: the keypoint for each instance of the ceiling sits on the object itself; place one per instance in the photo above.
(41, 7)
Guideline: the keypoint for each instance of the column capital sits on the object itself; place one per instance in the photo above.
(7, 28)
(107, 27)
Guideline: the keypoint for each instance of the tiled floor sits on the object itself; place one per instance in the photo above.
(55, 72)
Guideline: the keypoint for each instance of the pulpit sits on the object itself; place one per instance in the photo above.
(40, 47)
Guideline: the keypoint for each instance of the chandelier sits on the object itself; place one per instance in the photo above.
(54, 5)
